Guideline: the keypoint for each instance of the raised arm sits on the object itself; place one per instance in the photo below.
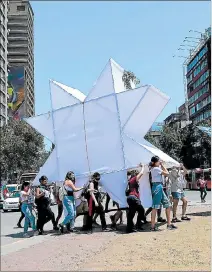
(72, 186)
(141, 173)
(165, 172)
(185, 171)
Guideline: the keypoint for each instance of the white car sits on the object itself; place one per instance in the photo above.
(12, 202)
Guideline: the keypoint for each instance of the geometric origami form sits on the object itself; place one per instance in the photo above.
(103, 131)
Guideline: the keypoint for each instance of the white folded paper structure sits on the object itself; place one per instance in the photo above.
(103, 132)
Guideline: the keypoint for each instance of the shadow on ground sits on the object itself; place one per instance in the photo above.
(207, 213)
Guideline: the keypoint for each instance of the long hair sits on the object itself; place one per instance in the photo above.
(24, 184)
(69, 176)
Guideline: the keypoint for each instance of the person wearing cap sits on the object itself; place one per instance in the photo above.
(158, 170)
(42, 200)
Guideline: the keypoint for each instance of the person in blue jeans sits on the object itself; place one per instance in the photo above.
(69, 202)
(26, 208)
(158, 170)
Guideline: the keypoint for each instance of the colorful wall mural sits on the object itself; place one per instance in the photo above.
(16, 92)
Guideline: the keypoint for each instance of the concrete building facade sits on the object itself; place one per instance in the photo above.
(21, 48)
(3, 62)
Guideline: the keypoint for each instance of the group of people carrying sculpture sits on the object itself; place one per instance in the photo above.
(167, 187)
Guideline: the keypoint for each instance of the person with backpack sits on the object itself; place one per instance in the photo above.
(94, 202)
(68, 189)
(202, 184)
(158, 196)
(42, 200)
(133, 200)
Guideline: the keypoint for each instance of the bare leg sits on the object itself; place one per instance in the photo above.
(184, 206)
(175, 204)
(168, 216)
(153, 216)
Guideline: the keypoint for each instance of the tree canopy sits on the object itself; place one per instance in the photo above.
(22, 149)
(188, 145)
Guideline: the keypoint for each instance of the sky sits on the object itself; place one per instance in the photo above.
(74, 41)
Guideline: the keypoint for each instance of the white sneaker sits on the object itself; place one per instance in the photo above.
(26, 235)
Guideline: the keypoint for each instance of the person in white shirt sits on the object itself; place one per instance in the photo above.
(177, 177)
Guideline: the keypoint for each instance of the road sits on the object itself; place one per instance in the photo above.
(11, 237)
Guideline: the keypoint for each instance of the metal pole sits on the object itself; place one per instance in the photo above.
(185, 92)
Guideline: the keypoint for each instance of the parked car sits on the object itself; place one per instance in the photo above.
(12, 202)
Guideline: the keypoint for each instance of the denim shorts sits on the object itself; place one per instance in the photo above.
(177, 195)
(159, 197)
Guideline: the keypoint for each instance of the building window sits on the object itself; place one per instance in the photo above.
(21, 8)
(192, 110)
(197, 58)
(199, 81)
(202, 91)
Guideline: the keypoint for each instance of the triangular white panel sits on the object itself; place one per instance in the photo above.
(104, 84)
(117, 72)
(103, 134)
(128, 101)
(74, 92)
(135, 153)
(43, 124)
(145, 190)
(70, 137)
(49, 169)
(149, 108)
(170, 162)
(115, 185)
(60, 97)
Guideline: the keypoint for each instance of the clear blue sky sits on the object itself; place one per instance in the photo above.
(73, 42)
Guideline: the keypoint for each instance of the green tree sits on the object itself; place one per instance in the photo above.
(129, 77)
(188, 145)
(22, 149)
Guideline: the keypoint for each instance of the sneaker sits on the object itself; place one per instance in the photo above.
(161, 220)
(171, 227)
(36, 233)
(26, 235)
(55, 228)
(155, 229)
(106, 229)
(176, 220)
(61, 229)
(185, 218)
(19, 226)
(40, 232)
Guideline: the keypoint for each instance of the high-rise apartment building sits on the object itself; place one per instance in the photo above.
(199, 80)
(3, 62)
(21, 57)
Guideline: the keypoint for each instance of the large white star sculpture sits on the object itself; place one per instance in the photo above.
(102, 132)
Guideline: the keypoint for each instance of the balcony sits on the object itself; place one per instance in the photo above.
(18, 31)
(17, 23)
(10, 38)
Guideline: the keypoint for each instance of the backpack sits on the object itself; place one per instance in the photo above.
(85, 192)
(62, 192)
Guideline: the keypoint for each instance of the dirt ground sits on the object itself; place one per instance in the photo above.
(184, 249)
